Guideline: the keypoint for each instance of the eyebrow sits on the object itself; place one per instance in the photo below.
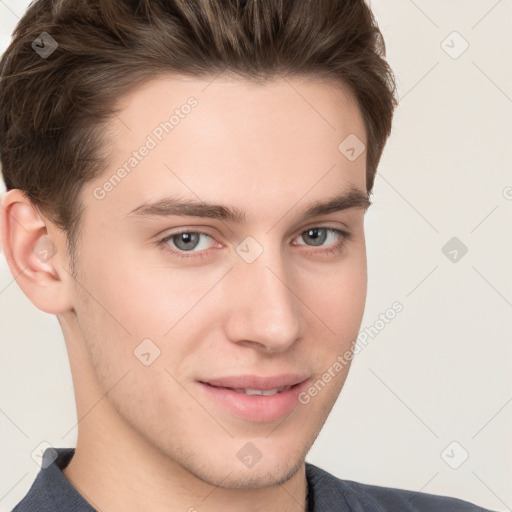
(172, 206)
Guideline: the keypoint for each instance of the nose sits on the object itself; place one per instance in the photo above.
(264, 309)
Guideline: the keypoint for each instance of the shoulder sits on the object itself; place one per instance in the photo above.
(51, 490)
(328, 492)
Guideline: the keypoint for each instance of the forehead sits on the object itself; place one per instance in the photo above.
(262, 146)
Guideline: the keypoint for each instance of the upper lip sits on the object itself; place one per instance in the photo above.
(257, 382)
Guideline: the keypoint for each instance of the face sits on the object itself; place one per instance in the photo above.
(179, 306)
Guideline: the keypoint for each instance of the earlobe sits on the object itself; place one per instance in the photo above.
(34, 257)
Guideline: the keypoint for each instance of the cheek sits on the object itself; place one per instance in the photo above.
(126, 305)
(131, 295)
(338, 297)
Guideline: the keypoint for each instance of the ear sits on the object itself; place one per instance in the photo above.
(37, 260)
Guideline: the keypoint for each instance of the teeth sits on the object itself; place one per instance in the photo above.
(264, 392)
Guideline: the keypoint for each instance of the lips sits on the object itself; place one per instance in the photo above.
(254, 398)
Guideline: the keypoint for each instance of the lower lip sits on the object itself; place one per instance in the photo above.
(256, 408)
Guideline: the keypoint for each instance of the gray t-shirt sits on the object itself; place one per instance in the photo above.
(52, 491)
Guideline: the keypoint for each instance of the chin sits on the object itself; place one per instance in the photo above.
(266, 472)
(260, 476)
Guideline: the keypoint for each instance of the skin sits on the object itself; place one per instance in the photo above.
(147, 439)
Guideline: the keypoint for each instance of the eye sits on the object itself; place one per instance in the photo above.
(185, 241)
(319, 235)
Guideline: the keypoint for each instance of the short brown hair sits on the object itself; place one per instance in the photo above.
(52, 109)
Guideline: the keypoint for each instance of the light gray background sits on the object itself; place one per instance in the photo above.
(440, 371)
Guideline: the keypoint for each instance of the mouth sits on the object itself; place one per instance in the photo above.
(255, 399)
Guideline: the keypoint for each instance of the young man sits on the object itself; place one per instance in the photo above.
(187, 194)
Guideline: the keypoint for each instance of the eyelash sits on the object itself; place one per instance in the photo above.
(345, 236)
